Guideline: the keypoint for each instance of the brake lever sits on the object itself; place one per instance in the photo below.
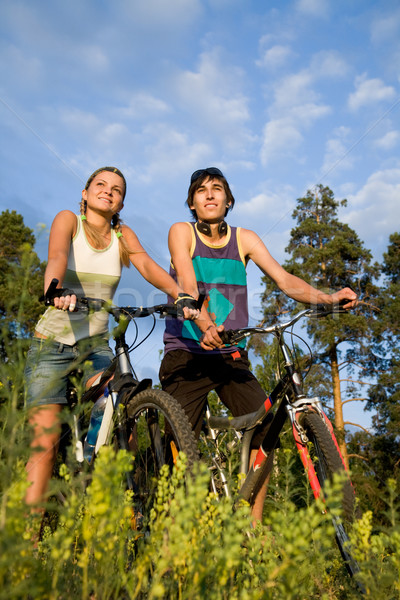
(324, 310)
(230, 337)
(48, 296)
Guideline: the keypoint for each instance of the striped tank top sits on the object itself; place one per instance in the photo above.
(221, 274)
(90, 272)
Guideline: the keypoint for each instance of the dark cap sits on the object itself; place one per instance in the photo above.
(209, 171)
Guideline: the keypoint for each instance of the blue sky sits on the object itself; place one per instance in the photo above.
(281, 95)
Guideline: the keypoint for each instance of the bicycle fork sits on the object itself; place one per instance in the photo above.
(294, 409)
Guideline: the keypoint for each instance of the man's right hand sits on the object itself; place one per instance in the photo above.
(210, 339)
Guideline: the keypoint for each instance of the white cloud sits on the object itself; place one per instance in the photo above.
(295, 108)
(386, 27)
(308, 113)
(213, 97)
(294, 90)
(259, 204)
(389, 140)
(144, 104)
(284, 136)
(266, 210)
(280, 136)
(369, 91)
(336, 153)
(328, 64)
(297, 105)
(313, 8)
(169, 153)
(275, 57)
(373, 210)
(19, 68)
(153, 14)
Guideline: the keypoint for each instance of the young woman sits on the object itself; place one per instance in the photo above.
(86, 255)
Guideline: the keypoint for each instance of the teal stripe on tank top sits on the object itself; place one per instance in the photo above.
(212, 270)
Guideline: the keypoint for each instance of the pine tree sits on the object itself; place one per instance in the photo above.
(21, 279)
(384, 396)
(329, 255)
(380, 452)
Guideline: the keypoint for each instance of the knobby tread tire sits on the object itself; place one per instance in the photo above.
(158, 429)
(328, 462)
(175, 414)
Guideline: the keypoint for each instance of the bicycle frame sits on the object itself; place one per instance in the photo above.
(288, 396)
(119, 377)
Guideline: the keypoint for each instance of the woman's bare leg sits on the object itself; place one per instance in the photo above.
(46, 436)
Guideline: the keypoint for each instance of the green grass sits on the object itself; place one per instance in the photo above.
(196, 546)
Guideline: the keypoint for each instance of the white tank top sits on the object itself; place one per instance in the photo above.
(90, 272)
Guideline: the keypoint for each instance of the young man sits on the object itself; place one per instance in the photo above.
(210, 255)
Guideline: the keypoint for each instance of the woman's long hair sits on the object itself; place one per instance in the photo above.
(116, 222)
(98, 240)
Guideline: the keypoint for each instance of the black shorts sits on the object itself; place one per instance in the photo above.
(189, 377)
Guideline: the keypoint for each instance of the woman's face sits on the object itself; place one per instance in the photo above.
(105, 193)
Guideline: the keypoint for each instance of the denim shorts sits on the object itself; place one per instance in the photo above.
(50, 363)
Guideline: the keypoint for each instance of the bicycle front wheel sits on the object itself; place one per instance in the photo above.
(327, 461)
(158, 430)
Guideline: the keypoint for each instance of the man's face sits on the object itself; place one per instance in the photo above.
(209, 201)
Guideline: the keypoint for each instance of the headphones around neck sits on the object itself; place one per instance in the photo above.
(205, 228)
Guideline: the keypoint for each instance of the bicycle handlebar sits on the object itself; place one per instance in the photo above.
(233, 336)
(132, 312)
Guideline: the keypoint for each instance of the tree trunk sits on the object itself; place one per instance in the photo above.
(337, 403)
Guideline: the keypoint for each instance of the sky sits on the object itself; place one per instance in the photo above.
(280, 95)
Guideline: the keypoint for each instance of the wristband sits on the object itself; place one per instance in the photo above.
(183, 296)
(184, 301)
(65, 292)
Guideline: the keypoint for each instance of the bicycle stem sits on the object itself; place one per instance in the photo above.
(291, 369)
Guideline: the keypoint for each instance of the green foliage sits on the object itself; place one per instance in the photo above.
(380, 452)
(196, 546)
(21, 278)
(329, 255)
(385, 395)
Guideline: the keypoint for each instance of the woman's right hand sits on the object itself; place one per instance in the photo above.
(66, 301)
(61, 298)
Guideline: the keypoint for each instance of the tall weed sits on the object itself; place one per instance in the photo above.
(196, 546)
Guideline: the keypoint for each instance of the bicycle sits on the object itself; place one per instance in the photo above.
(312, 431)
(146, 422)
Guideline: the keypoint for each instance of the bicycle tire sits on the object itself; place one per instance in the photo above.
(252, 486)
(327, 461)
(158, 429)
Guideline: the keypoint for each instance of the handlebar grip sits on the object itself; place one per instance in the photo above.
(167, 309)
(200, 300)
(323, 310)
(48, 296)
(227, 336)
